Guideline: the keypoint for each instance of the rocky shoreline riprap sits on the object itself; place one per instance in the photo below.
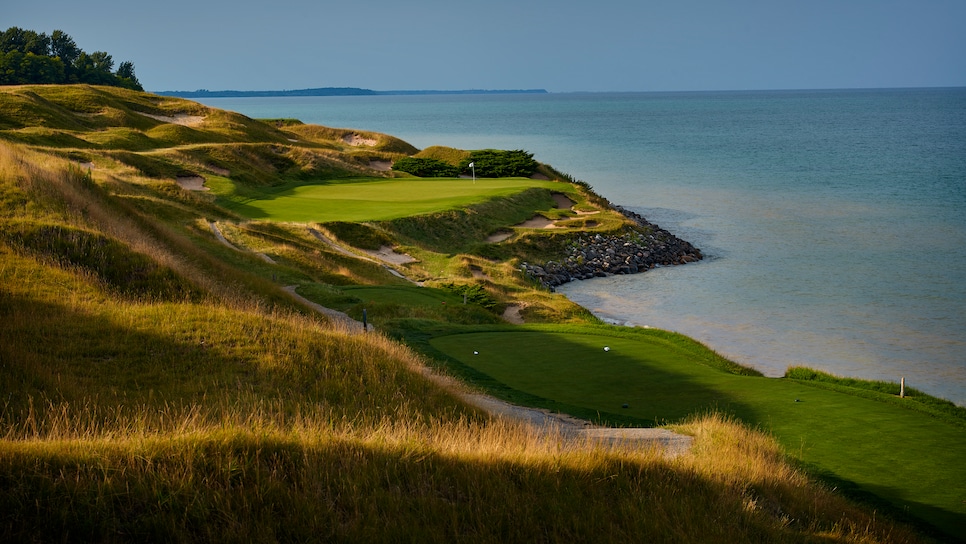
(630, 252)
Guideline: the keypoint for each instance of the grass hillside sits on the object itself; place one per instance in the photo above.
(160, 383)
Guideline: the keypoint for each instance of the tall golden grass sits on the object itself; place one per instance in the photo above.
(399, 480)
(61, 192)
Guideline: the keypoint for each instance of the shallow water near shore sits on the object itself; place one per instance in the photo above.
(832, 221)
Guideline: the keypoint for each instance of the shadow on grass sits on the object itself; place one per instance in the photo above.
(940, 523)
(243, 207)
(222, 362)
(621, 380)
(265, 488)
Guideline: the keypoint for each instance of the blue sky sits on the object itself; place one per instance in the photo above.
(605, 45)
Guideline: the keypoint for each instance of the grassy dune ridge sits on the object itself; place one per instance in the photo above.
(158, 385)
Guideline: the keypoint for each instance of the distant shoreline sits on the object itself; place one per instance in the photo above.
(336, 91)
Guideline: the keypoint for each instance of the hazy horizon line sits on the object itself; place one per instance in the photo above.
(376, 92)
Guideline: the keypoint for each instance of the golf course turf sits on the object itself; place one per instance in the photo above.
(912, 460)
(370, 199)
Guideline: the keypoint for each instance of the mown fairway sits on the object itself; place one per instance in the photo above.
(370, 199)
(908, 458)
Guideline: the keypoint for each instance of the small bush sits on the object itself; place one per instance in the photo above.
(493, 163)
(473, 292)
(426, 168)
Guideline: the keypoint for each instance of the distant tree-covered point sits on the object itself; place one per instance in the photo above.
(28, 58)
(336, 91)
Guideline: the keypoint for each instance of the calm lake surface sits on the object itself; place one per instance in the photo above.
(833, 222)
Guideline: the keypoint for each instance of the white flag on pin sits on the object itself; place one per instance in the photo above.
(471, 165)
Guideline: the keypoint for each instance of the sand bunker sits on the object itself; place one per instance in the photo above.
(498, 237)
(192, 183)
(477, 272)
(538, 222)
(382, 166)
(389, 255)
(512, 314)
(357, 140)
(178, 119)
(562, 201)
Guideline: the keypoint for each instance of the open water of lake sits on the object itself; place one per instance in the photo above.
(833, 222)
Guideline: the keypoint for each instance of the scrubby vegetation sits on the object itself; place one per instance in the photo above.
(493, 163)
(487, 163)
(160, 384)
(425, 168)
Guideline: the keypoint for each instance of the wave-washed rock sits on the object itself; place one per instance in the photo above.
(630, 252)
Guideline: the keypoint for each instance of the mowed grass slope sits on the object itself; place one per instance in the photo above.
(910, 459)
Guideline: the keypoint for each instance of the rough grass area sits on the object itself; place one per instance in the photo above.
(405, 482)
(449, 155)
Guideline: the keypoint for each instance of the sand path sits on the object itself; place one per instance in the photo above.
(221, 238)
(385, 255)
(341, 319)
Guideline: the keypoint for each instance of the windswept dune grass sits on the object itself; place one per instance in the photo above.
(400, 480)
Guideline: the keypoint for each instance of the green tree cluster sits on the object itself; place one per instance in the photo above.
(426, 167)
(28, 57)
(493, 163)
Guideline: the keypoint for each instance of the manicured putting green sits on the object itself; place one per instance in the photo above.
(910, 459)
(402, 295)
(371, 199)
